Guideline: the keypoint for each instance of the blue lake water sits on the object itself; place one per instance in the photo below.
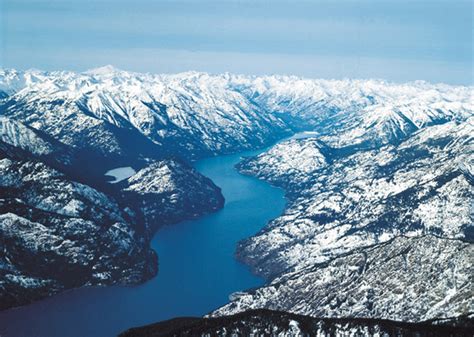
(197, 269)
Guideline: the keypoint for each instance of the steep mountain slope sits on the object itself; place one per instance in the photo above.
(58, 234)
(191, 114)
(357, 114)
(17, 139)
(383, 233)
(406, 279)
(423, 185)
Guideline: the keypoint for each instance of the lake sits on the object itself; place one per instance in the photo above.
(197, 268)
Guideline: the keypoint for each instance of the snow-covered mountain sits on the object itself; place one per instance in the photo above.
(169, 191)
(384, 233)
(199, 114)
(116, 113)
(423, 185)
(389, 169)
(407, 279)
(58, 234)
(62, 228)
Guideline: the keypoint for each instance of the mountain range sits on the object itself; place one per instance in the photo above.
(379, 221)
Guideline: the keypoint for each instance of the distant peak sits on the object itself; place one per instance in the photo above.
(104, 70)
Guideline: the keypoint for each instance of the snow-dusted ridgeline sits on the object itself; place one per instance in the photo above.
(199, 114)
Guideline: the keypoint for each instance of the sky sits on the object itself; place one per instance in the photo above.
(400, 40)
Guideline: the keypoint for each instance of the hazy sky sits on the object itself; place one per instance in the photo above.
(396, 40)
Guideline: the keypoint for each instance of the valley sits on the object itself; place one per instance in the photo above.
(197, 268)
(377, 220)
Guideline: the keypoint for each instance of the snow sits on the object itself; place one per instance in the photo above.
(290, 158)
(17, 134)
(120, 173)
(305, 134)
(294, 328)
(224, 111)
(409, 279)
(387, 199)
(65, 223)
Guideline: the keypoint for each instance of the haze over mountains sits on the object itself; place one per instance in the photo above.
(380, 200)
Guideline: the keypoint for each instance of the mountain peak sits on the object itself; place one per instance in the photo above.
(104, 70)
